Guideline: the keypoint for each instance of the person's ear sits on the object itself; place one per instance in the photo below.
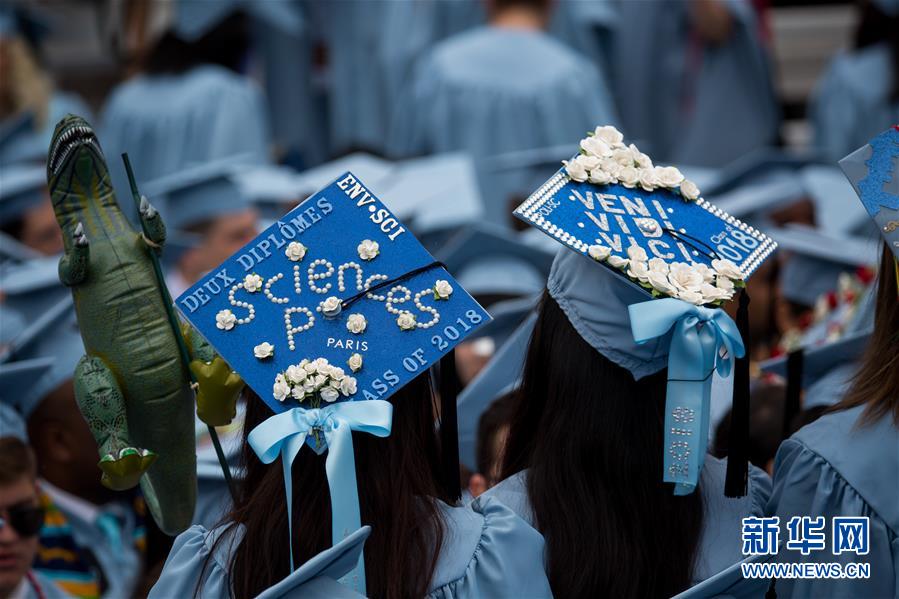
(477, 484)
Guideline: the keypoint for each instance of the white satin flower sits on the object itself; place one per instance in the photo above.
(588, 161)
(348, 386)
(617, 261)
(635, 252)
(295, 251)
(368, 249)
(708, 275)
(728, 269)
(319, 381)
(724, 283)
(252, 282)
(689, 190)
(669, 176)
(713, 294)
(264, 350)
(331, 304)
(296, 374)
(600, 177)
(628, 176)
(641, 159)
(575, 170)
(356, 323)
(691, 296)
(329, 394)
(406, 321)
(595, 147)
(609, 134)
(355, 362)
(280, 390)
(298, 393)
(647, 178)
(659, 281)
(442, 289)
(599, 252)
(610, 166)
(638, 270)
(658, 265)
(225, 320)
(684, 277)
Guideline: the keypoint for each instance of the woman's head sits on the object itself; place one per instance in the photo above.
(877, 25)
(592, 436)
(397, 480)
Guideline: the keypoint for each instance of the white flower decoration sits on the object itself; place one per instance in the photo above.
(368, 249)
(628, 176)
(295, 251)
(684, 277)
(252, 282)
(331, 305)
(298, 393)
(659, 281)
(599, 252)
(442, 290)
(329, 394)
(610, 166)
(406, 321)
(280, 389)
(264, 350)
(600, 177)
(710, 293)
(609, 134)
(725, 284)
(347, 386)
(669, 176)
(727, 269)
(640, 159)
(690, 296)
(708, 275)
(638, 270)
(225, 320)
(296, 374)
(623, 156)
(589, 162)
(647, 178)
(575, 170)
(355, 362)
(356, 323)
(688, 190)
(635, 252)
(658, 265)
(617, 261)
(595, 147)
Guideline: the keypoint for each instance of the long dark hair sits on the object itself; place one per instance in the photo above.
(592, 439)
(876, 385)
(398, 490)
(876, 27)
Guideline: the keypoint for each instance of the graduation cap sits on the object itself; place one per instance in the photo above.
(22, 187)
(325, 315)
(836, 211)
(874, 173)
(15, 377)
(817, 259)
(650, 264)
(195, 18)
(490, 261)
(31, 287)
(13, 250)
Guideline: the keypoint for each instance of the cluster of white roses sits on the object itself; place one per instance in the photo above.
(694, 283)
(315, 381)
(605, 159)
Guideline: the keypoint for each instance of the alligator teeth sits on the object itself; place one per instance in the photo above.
(79, 230)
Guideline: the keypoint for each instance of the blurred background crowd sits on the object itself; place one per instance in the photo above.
(452, 111)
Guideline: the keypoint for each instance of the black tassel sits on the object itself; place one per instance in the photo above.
(772, 590)
(738, 452)
(449, 427)
(793, 402)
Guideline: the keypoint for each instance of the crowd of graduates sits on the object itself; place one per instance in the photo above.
(453, 112)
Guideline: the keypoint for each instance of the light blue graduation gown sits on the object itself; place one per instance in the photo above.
(167, 122)
(47, 589)
(838, 466)
(686, 101)
(720, 544)
(493, 90)
(851, 102)
(487, 551)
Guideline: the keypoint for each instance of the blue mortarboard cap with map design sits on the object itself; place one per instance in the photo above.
(873, 171)
(324, 315)
(668, 261)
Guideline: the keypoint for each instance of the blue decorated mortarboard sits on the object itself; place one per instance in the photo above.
(195, 18)
(653, 236)
(874, 173)
(22, 187)
(325, 315)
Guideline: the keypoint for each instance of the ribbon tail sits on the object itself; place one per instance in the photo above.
(340, 466)
(289, 450)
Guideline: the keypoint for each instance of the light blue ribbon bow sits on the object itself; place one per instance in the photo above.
(284, 434)
(704, 340)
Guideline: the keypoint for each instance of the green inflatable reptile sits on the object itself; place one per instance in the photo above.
(133, 386)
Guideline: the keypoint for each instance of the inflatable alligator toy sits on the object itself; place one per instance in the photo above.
(133, 386)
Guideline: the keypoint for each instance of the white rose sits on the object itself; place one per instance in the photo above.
(668, 176)
(355, 362)
(623, 157)
(641, 159)
(599, 252)
(659, 281)
(337, 373)
(334, 383)
(575, 170)
(308, 385)
(647, 178)
(600, 177)
(658, 265)
(321, 366)
(298, 393)
(331, 305)
(588, 162)
(329, 394)
(368, 249)
(442, 289)
(225, 320)
(252, 283)
(690, 296)
(638, 270)
(725, 284)
(684, 277)
(280, 389)
(406, 321)
(727, 269)
(617, 261)
(348, 386)
(628, 176)
(319, 381)
(609, 134)
(356, 323)
(596, 147)
(635, 252)
(610, 166)
(714, 294)
(309, 368)
(708, 275)
(296, 374)
(264, 350)
(295, 251)
(688, 190)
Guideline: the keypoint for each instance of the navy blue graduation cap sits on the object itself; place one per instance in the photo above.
(490, 261)
(22, 187)
(874, 173)
(816, 260)
(325, 315)
(195, 18)
(667, 260)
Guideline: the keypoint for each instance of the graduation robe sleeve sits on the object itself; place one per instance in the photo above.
(196, 564)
